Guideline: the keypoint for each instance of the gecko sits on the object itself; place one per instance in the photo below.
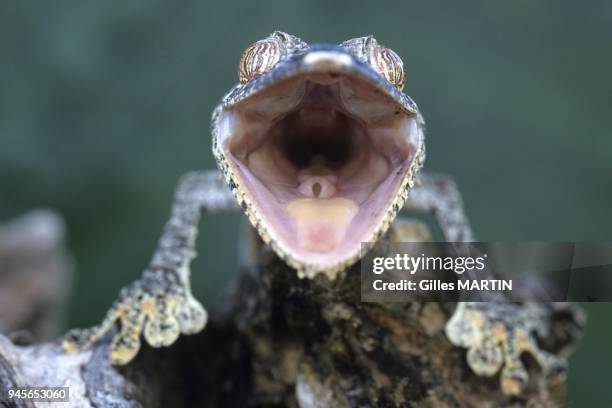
(320, 148)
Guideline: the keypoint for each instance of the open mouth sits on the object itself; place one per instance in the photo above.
(321, 159)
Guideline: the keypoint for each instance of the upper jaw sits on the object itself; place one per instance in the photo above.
(320, 59)
(284, 217)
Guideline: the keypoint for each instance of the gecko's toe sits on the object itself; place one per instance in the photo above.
(485, 359)
(513, 379)
(191, 316)
(78, 339)
(161, 327)
(125, 345)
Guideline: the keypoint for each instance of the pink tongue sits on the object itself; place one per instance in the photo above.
(321, 224)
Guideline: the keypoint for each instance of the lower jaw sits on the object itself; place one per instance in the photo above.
(318, 235)
(318, 219)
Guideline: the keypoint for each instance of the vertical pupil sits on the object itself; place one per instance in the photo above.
(257, 59)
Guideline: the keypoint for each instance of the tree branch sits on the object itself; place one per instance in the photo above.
(275, 339)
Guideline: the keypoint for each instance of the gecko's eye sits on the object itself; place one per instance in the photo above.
(389, 65)
(257, 59)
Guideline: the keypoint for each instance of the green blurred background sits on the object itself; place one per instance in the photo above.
(103, 105)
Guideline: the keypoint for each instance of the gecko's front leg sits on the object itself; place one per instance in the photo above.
(494, 334)
(438, 194)
(160, 304)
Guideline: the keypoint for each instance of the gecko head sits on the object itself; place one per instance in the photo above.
(319, 146)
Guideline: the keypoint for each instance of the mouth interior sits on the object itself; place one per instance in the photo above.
(321, 158)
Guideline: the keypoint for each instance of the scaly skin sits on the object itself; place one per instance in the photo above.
(161, 307)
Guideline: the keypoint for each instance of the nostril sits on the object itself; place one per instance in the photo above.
(317, 187)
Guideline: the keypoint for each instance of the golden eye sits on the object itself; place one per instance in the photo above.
(258, 58)
(390, 65)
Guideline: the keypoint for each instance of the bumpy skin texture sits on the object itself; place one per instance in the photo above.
(160, 305)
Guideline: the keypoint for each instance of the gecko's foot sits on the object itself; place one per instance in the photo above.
(496, 335)
(159, 305)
